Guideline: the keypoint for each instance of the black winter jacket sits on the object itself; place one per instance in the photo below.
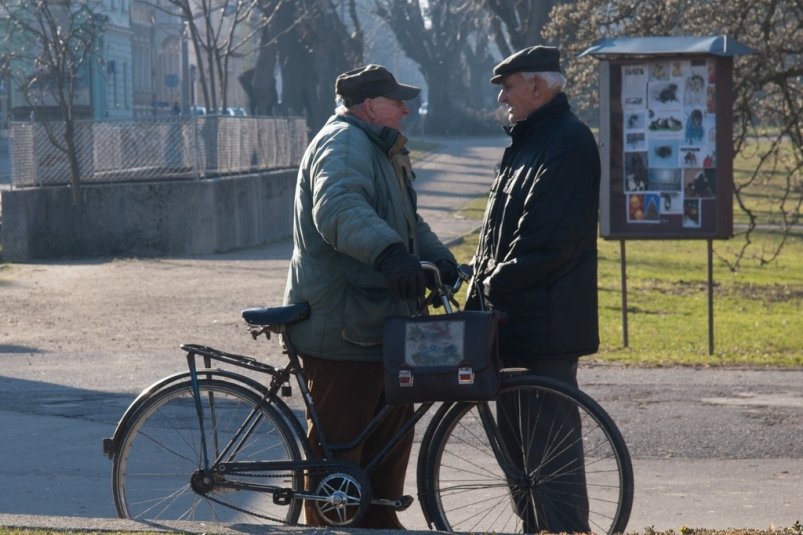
(537, 255)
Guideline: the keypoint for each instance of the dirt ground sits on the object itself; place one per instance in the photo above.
(137, 304)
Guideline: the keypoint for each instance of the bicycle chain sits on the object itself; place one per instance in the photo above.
(259, 515)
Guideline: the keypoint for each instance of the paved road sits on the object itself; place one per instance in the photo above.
(712, 448)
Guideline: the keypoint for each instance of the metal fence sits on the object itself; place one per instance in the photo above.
(156, 149)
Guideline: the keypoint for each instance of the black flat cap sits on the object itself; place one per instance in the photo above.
(534, 59)
(371, 81)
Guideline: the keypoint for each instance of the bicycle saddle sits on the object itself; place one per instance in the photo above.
(283, 315)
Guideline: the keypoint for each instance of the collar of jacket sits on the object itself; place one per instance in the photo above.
(389, 140)
(559, 104)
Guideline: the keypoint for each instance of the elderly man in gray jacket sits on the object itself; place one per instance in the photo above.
(357, 244)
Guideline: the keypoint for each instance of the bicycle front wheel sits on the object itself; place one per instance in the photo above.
(156, 473)
(542, 457)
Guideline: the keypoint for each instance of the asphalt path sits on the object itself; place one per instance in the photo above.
(712, 448)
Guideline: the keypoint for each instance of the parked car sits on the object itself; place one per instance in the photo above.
(230, 112)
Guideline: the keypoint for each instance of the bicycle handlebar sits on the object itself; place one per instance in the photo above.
(443, 291)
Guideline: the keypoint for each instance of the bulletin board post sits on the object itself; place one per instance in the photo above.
(665, 138)
(623, 276)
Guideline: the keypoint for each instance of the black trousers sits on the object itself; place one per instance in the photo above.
(543, 436)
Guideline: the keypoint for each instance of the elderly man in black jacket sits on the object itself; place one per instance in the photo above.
(537, 261)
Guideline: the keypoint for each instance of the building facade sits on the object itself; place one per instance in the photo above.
(112, 77)
(147, 67)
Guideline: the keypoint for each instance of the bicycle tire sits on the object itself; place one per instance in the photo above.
(464, 488)
(160, 450)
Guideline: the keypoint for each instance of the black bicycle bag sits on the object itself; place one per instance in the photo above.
(449, 357)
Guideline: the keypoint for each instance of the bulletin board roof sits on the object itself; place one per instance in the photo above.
(717, 45)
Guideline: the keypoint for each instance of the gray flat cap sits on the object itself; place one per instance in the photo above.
(533, 59)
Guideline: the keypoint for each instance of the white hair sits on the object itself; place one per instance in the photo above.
(340, 106)
(553, 79)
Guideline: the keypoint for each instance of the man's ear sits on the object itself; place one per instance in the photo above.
(536, 89)
(368, 107)
(537, 86)
(542, 92)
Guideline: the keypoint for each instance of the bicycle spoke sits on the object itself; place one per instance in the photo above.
(566, 473)
(156, 472)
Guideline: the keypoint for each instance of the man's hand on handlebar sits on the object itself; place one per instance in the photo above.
(402, 272)
(448, 270)
(443, 290)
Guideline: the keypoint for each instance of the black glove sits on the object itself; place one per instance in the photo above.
(448, 269)
(402, 271)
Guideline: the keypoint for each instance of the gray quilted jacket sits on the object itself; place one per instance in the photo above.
(354, 198)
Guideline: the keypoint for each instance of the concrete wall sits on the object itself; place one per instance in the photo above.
(148, 219)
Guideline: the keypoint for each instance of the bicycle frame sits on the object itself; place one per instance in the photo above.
(279, 377)
(213, 468)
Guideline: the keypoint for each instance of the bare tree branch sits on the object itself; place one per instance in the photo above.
(47, 52)
(218, 30)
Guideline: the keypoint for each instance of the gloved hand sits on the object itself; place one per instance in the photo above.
(402, 271)
(448, 269)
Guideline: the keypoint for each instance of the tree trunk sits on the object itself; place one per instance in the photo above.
(523, 22)
(261, 85)
(72, 157)
(311, 45)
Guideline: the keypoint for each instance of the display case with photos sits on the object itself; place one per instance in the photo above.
(665, 140)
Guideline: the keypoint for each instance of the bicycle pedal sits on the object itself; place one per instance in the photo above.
(283, 496)
(399, 505)
(405, 502)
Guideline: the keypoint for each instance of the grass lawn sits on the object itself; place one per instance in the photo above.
(758, 311)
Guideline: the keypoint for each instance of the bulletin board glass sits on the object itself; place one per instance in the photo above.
(665, 135)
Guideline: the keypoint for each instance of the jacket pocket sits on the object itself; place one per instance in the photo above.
(364, 312)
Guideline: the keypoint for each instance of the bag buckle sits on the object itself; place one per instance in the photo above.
(465, 375)
(405, 378)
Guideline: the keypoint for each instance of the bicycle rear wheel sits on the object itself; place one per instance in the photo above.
(557, 469)
(156, 466)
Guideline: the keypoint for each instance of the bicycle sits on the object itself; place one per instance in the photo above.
(213, 444)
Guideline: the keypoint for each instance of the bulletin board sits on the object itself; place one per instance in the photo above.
(665, 139)
(665, 134)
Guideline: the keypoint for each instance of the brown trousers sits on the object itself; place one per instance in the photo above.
(346, 395)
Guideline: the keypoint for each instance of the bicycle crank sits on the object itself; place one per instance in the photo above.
(342, 499)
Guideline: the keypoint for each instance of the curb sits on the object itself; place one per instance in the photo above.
(70, 523)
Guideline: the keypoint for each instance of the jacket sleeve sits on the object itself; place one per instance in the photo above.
(559, 213)
(342, 185)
